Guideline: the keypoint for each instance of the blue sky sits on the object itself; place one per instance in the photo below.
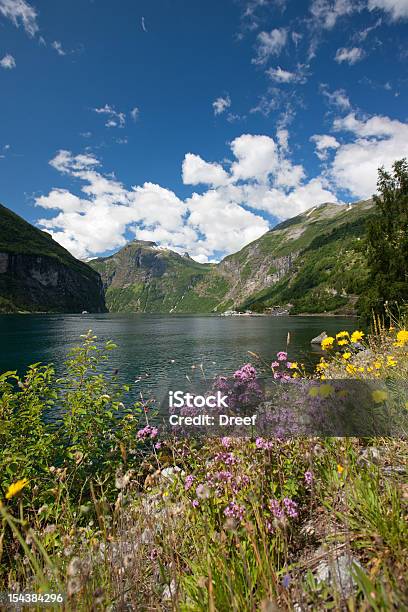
(195, 124)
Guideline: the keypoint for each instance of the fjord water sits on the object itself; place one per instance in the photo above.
(162, 349)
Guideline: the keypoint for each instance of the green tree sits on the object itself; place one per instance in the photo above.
(387, 244)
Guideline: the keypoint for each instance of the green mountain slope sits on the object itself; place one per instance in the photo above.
(143, 277)
(38, 275)
(313, 262)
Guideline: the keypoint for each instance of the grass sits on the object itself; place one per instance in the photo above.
(117, 517)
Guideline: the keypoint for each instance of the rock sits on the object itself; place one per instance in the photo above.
(339, 572)
(319, 338)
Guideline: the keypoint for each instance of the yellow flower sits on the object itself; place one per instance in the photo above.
(356, 336)
(377, 365)
(322, 365)
(343, 334)
(350, 369)
(402, 336)
(293, 365)
(391, 361)
(379, 396)
(340, 469)
(346, 355)
(342, 342)
(327, 343)
(16, 487)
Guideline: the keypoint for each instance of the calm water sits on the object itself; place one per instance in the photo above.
(160, 348)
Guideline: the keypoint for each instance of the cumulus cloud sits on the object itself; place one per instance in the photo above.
(221, 104)
(270, 43)
(323, 143)
(195, 171)
(378, 141)
(22, 13)
(8, 62)
(114, 118)
(350, 56)
(397, 9)
(337, 98)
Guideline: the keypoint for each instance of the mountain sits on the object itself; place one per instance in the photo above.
(143, 277)
(39, 275)
(313, 263)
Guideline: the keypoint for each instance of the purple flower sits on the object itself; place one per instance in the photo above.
(263, 444)
(282, 356)
(276, 509)
(147, 432)
(189, 482)
(226, 441)
(291, 507)
(195, 503)
(233, 510)
(245, 373)
(275, 364)
(286, 580)
(308, 478)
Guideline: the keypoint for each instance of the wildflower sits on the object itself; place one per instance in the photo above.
(377, 365)
(202, 491)
(343, 342)
(291, 507)
(340, 469)
(342, 334)
(356, 336)
(350, 369)
(308, 477)
(189, 482)
(402, 338)
(391, 361)
(195, 503)
(226, 441)
(286, 580)
(16, 488)
(327, 343)
(346, 355)
(282, 356)
(275, 364)
(293, 365)
(147, 432)
(234, 510)
(322, 365)
(276, 509)
(379, 396)
(245, 373)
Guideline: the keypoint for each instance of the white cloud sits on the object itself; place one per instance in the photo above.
(20, 12)
(257, 157)
(323, 143)
(8, 62)
(378, 141)
(285, 76)
(114, 118)
(195, 171)
(351, 56)
(326, 12)
(134, 113)
(398, 9)
(58, 47)
(221, 104)
(270, 43)
(337, 98)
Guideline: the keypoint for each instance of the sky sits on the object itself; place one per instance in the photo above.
(198, 124)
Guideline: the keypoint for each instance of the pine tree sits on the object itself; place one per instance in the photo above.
(387, 245)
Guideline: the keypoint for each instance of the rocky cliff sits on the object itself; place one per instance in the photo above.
(39, 275)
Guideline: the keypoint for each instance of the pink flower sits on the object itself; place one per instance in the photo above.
(275, 364)
(308, 477)
(282, 356)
